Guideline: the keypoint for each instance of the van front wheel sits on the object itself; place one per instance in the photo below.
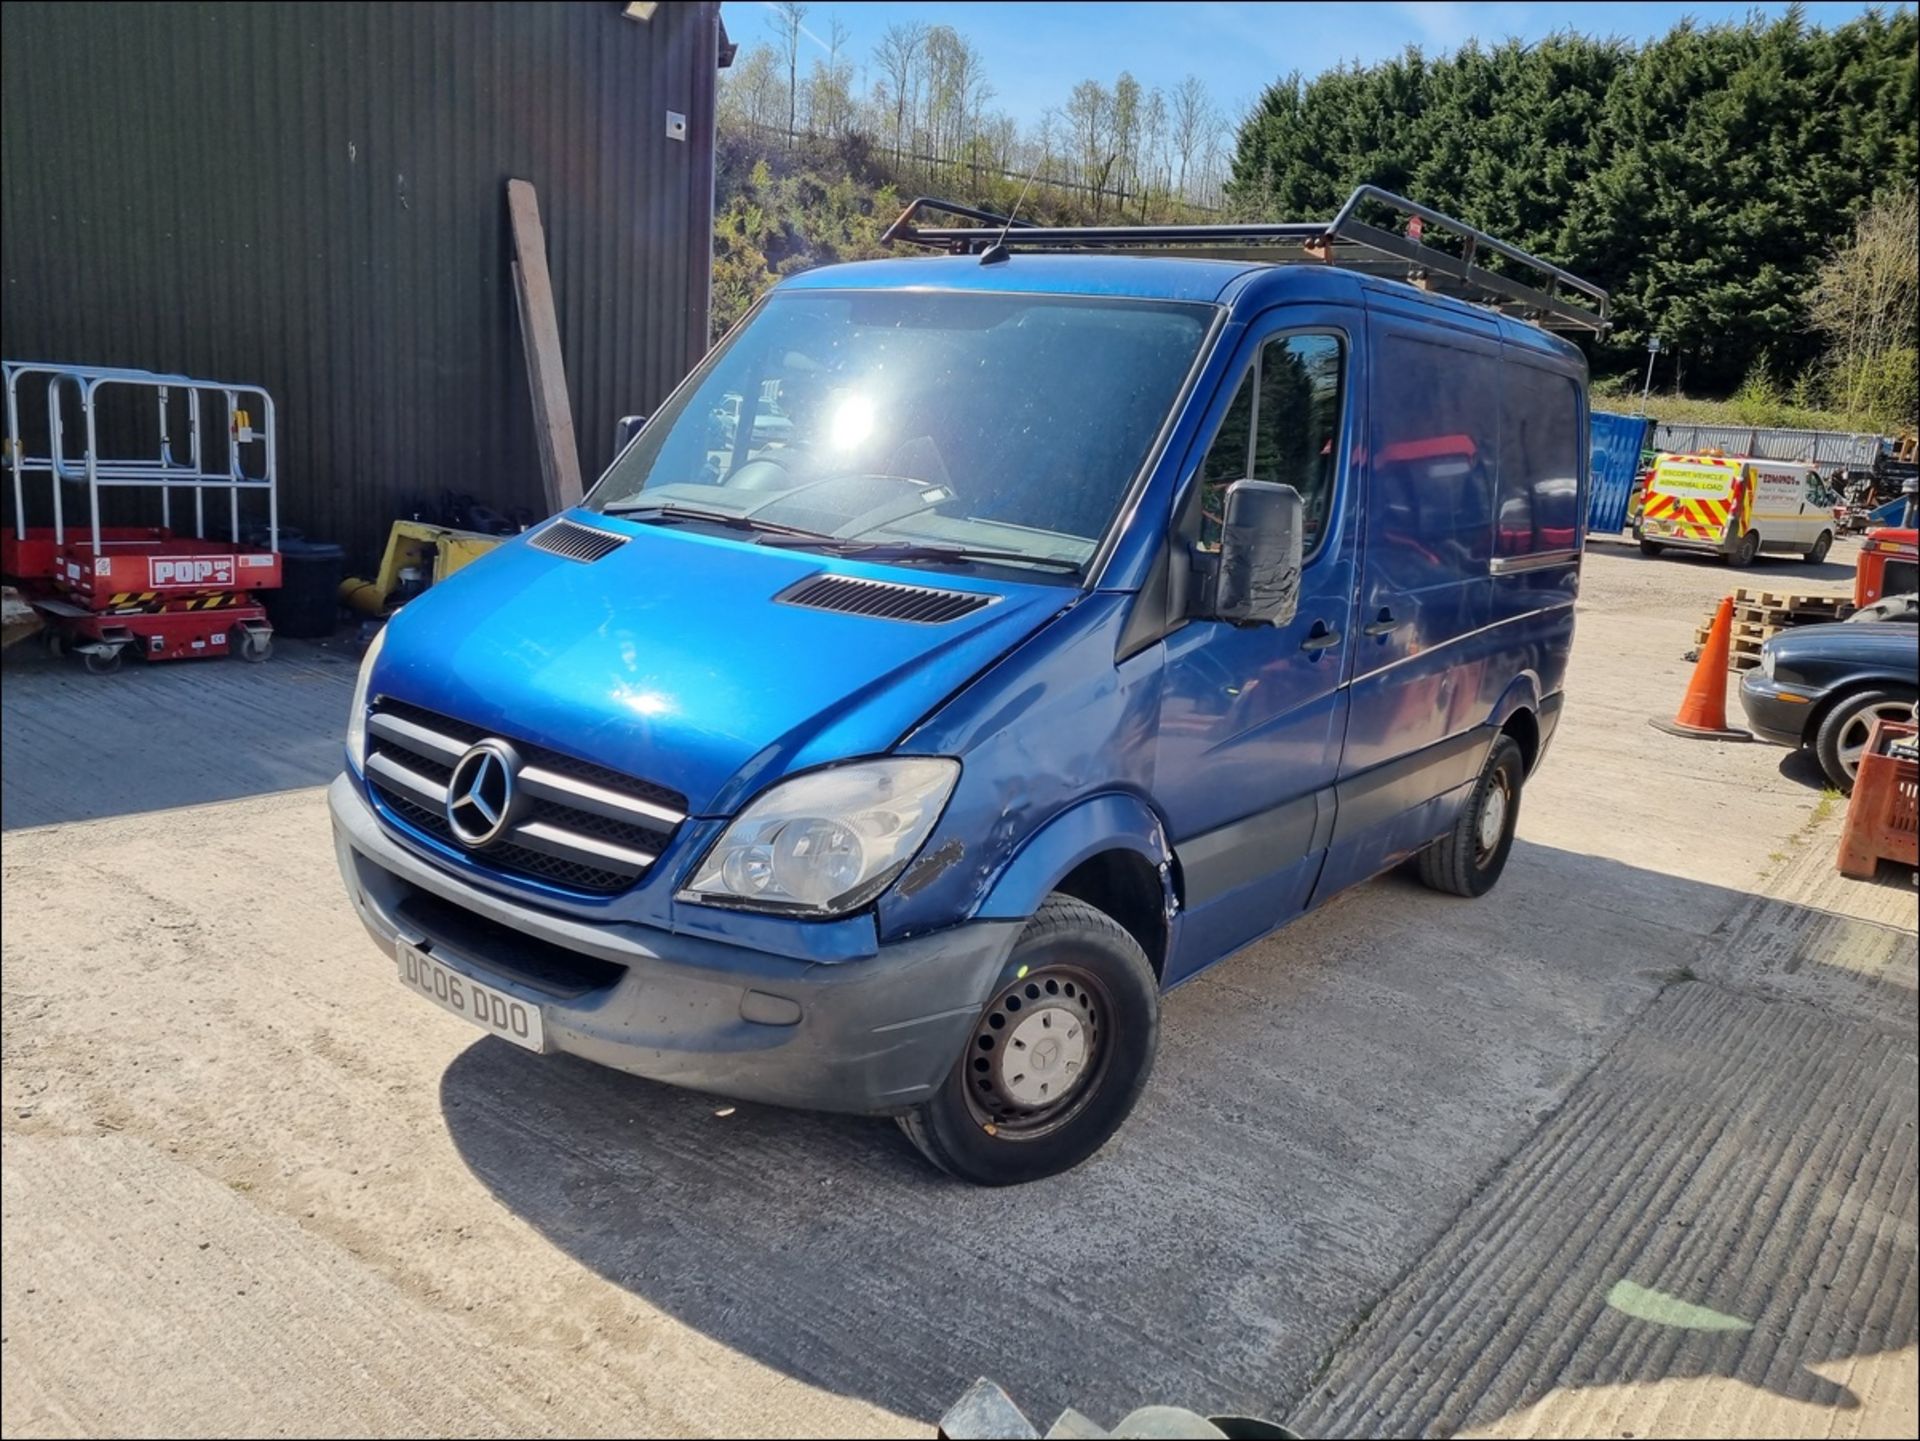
(1820, 547)
(1057, 1059)
(1468, 859)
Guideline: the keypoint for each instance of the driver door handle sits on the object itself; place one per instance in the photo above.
(1385, 625)
(1321, 637)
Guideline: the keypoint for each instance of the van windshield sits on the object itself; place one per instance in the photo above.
(1007, 424)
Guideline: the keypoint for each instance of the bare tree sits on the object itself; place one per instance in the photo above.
(1153, 139)
(1192, 120)
(750, 94)
(788, 18)
(1042, 145)
(830, 87)
(929, 87)
(945, 98)
(898, 55)
(1867, 303)
(972, 92)
(1126, 129)
(1000, 132)
(1090, 126)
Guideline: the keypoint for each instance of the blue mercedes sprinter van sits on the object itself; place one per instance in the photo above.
(1072, 609)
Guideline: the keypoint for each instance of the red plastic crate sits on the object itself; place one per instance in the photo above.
(1883, 818)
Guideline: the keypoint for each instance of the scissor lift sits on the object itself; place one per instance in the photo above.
(105, 590)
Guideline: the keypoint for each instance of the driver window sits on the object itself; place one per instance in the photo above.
(1283, 426)
(1226, 462)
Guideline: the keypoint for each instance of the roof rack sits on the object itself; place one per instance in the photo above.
(1345, 241)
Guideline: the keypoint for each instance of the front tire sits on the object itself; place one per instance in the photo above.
(1470, 857)
(1056, 1060)
(1842, 737)
(1820, 548)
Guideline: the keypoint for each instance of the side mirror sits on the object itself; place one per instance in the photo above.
(625, 429)
(1261, 544)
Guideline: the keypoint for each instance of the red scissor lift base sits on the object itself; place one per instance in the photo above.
(163, 596)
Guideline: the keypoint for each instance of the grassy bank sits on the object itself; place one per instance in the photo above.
(1768, 412)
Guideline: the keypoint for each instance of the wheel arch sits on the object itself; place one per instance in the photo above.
(1818, 712)
(1518, 715)
(1110, 851)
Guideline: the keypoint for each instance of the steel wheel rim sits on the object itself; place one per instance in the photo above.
(1493, 818)
(1853, 736)
(1038, 1052)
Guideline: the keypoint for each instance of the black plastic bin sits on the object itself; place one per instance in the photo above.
(307, 604)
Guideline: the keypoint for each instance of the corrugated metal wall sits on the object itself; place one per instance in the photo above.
(312, 196)
(1816, 447)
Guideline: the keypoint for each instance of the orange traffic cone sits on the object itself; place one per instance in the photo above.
(1703, 713)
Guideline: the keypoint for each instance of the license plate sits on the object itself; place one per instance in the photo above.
(506, 1016)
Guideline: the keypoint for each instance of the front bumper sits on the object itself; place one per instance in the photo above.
(1776, 713)
(874, 1036)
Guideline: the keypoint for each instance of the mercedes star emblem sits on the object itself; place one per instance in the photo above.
(480, 795)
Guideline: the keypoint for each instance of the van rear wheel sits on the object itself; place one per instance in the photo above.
(1057, 1059)
(1650, 547)
(1743, 554)
(1470, 857)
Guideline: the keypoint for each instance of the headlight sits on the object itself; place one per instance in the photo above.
(829, 842)
(1766, 661)
(357, 717)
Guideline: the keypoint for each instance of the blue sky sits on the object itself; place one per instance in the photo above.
(1036, 52)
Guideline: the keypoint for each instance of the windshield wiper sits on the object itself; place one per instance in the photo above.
(885, 550)
(732, 520)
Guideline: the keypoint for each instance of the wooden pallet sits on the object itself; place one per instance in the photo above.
(1759, 615)
(1795, 603)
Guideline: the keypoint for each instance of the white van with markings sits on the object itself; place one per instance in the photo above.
(1736, 507)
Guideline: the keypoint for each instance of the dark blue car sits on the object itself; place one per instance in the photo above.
(1093, 615)
(1823, 686)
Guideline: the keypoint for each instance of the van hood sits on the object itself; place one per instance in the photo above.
(670, 658)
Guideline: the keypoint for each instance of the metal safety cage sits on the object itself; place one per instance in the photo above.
(230, 407)
(1539, 292)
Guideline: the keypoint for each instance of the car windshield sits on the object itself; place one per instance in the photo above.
(1010, 426)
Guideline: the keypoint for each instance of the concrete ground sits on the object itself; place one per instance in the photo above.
(1625, 1147)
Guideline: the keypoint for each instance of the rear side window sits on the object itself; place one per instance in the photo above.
(1283, 426)
(1538, 507)
(1436, 453)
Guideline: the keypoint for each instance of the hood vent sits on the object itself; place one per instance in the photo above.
(577, 542)
(884, 599)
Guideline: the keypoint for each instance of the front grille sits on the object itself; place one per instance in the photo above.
(580, 825)
(577, 542)
(887, 600)
(557, 970)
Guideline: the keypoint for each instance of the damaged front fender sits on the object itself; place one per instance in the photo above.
(1114, 822)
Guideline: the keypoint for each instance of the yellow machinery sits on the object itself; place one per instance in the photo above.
(419, 554)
